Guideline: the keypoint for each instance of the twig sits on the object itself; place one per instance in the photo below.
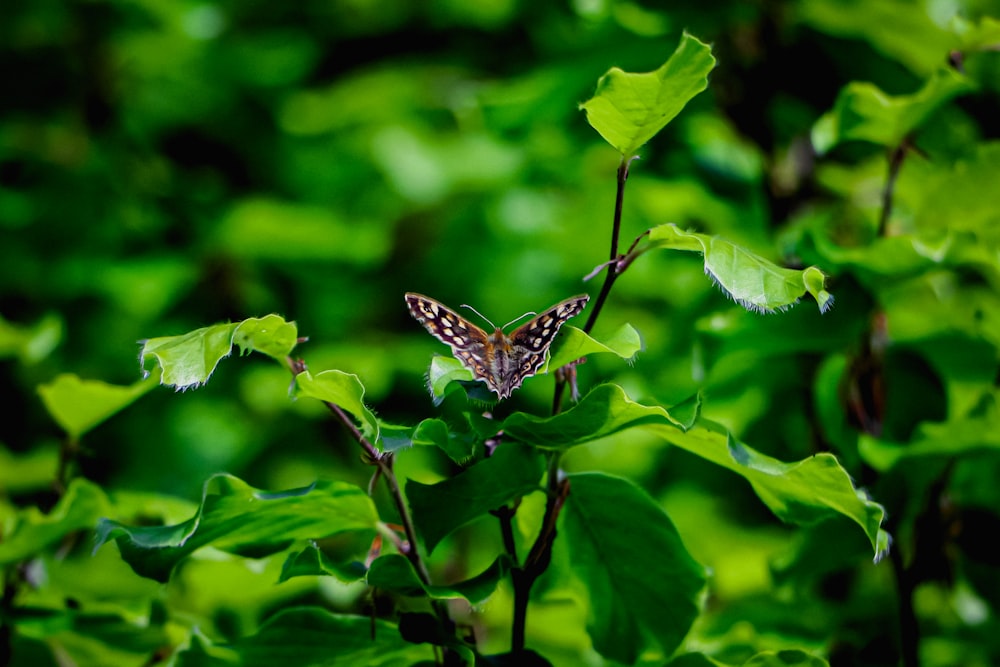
(540, 555)
(895, 164)
(612, 273)
(384, 462)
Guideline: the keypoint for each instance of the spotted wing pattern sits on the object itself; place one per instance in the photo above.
(502, 362)
(468, 343)
(530, 342)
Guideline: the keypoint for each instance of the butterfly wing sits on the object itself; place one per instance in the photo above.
(530, 342)
(468, 343)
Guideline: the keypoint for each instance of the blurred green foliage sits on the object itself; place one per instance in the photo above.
(168, 165)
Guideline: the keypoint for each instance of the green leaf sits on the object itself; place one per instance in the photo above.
(694, 660)
(949, 439)
(805, 492)
(312, 561)
(787, 658)
(395, 573)
(87, 638)
(895, 29)
(885, 256)
(270, 335)
(642, 583)
(28, 471)
(31, 531)
(31, 343)
(982, 35)
(344, 390)
(574, 344)
(447, 374)
(189, 360)
(235, 517)
(953, 205)
(750, 280)
(79, 405)
(629, 109)
(863, 112)
(605, 410)
(438, 509)
(311, 636)
(460, 447)
(818, 551)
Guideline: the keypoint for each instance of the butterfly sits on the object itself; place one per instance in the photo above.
(501, 361)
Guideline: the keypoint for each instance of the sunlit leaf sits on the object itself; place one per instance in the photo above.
(30, 343)
(31, 470)
(288, 231)
(863, 112)
(30, 532)
(236, 517)
(270, 335)
(629, 109)
(79, 405)
(573, 344)
(953, 204)
(311, 636)
(804, 492)
(897, 29)
(953, 438)
(438, 509)
(787, 658)
(188, 360)
(693, 660)
(642, 583)
(750, 280)
(980, 35)
(605, 410)
(344, 390)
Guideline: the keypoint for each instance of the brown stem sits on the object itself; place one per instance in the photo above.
(523, 578)
(9, 578)
(612, 273)
(540, 554)
(909, 633)
(895, 164)
(384, 463)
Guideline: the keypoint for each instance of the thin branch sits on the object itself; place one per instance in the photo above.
(612, 273)
(540, 555)
(384, 462)
(895, 164)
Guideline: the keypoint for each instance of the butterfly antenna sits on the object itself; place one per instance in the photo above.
(519, 318)
(465, 305)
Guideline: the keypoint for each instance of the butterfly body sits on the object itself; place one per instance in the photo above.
(500, 360)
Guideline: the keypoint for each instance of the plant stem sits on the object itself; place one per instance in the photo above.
(8, 578)
(384, 463)
(909, 633)
(538, 558)
(612, 273)
(523, 578)
(609, 277)
(67, 452)
(895, 164)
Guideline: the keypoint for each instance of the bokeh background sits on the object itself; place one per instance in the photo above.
(169, 164)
